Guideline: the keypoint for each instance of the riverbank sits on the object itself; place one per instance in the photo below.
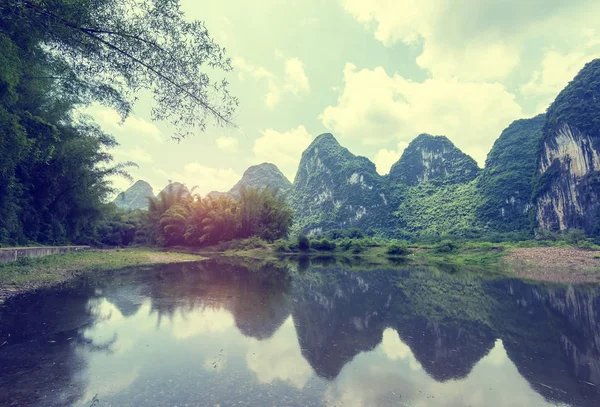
(555, 264)
(566, 265)
(558, 264)
(28, 274)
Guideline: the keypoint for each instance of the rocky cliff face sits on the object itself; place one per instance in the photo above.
(433, 159)
(135, 197)
(334, 188)
(567, 190)
(505, 182)
(261, 176)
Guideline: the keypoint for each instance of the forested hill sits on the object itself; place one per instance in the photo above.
(437, 190)
(433, 159)
(542, 173)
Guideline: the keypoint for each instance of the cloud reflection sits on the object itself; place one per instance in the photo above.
(390, 376)
(279, 358)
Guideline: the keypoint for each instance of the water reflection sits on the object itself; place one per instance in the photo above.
(312, 333)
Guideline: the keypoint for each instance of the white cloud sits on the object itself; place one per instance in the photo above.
(384, 158)
(309, 21)
(475, 40)
(205, 178)
(375, 108)
(245, 69)
(282, 149)
(279, 358)
(295, 77)
(556, 70)
(187, 325)
(391, 375)
(136, 154)
(227, 143)
(395, 349)
(294, 80)
(273, 96)
(133, 127)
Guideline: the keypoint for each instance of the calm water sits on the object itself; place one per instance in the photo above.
(216, 334)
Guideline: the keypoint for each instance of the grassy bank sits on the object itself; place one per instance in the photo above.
(555, 261)
(473, 255)
(31, 273)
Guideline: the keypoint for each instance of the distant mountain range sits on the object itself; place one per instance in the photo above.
(541, 172)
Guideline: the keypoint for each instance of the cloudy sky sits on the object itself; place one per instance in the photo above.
(374, 73)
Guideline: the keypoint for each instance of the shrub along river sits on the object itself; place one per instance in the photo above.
(312, 333)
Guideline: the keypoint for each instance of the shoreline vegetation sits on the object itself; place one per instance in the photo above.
(554, 261)
(28, 274)
(548, 261)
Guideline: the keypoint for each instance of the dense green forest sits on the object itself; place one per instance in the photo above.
(178, 218)
(57, 56)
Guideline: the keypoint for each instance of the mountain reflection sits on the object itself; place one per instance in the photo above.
(317, 332)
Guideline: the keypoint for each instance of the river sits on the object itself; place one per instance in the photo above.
(313, 332)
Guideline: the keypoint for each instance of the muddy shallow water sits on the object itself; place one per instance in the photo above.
(311, 334)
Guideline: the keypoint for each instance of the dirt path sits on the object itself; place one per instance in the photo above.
(556, 264)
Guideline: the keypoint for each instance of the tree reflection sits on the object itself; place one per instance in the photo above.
(39, 335)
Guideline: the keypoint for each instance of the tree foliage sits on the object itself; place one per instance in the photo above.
(577, 104)
(59, 55)
(506, 183)
(182, 219)
(109, 50)
(54, 166)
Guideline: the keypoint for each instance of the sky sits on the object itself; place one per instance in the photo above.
(373, 73)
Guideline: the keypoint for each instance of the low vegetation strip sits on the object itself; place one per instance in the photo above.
(552, 261)
(32, 273)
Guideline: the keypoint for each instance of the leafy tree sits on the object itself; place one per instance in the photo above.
(264, 213)
(303, 243)
(173, 223)
(398, 249)
(220, 222)
(109, 50)
(57, 55)
(53, 166)
(161, 219)
(323, 245)
(176, 217)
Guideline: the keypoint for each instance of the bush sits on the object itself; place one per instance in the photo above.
(398, 249)
(574, 236)
(447, 246)
(282, 246)
(303, 243)
(368, 242)
(587, 244)
(323, 245)
(545, 234)
(357, 246)
(354, 233)
(345, 244)
(336, 234)
(253, 242)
